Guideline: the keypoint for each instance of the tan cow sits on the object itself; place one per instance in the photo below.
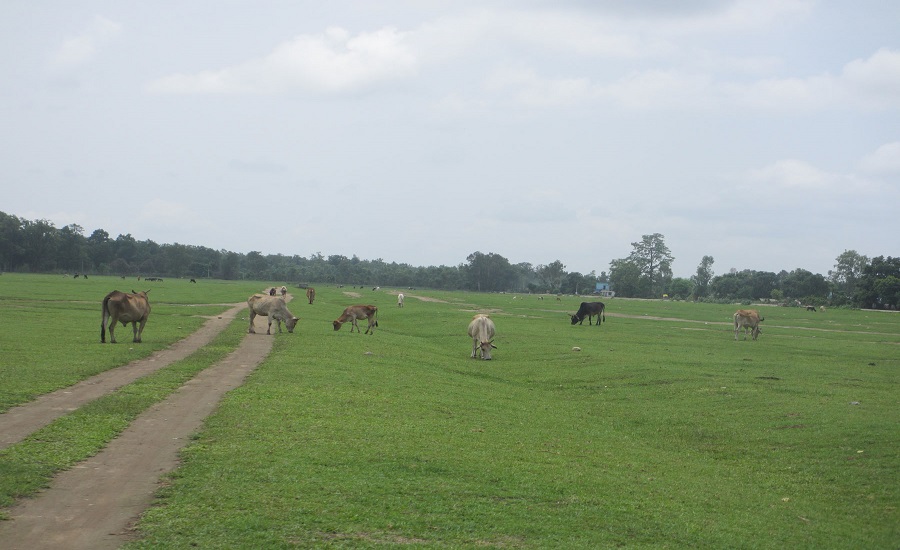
(353, 313)
(273, 307)
(481, 329)
(310, 294)
(747, 319)
(120, 307)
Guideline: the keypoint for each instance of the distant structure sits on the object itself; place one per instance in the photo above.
(602, 289)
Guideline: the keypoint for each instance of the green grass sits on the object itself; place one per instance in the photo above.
(50, 327)
(27, 466)
(658, 433)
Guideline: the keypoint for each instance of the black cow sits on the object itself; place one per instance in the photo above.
(590, 309)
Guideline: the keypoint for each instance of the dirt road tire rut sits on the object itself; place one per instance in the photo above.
(93, 505)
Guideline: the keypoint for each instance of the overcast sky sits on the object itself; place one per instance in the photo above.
(764, 133)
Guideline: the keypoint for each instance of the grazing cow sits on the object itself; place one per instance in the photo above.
(192, 280)
(811, 308)
(353, 313)
(481, 329)
(311, 295)
(400, 300)
(120, 307)
(747, 319)
(273, 307)
(283, 291)
(589, 309)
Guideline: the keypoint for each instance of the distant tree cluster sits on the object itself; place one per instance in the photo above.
(39, 247)
(855, 281)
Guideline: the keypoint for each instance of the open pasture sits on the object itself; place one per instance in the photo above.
(661, 431)
(50, 326)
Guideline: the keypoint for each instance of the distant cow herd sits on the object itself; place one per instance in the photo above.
(134, 308)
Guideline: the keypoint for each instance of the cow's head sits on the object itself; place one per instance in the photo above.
(337, 325)
(486, 349)
(291, 323)
(575, 319)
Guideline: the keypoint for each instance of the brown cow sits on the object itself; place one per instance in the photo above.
(310, 294)
(273, 307)
(353, 313)
(481, 329)
(120, 307)
(747, 319)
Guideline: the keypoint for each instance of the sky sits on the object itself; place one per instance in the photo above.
(763, 133)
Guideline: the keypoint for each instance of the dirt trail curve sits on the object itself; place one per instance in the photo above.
(93, 505)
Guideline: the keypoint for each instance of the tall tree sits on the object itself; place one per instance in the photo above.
(878, 286)
(551, 275)
(703, 276)
(847, 272)
(625, 279)
(654, 260)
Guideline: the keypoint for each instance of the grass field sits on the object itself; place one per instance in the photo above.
(662, 431)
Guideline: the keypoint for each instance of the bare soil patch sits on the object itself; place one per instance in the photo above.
(93, 505)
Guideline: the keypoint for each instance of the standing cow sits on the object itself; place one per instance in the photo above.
(747, 319)
(353, 313)
(481, 329)
(273, 307)
(400, 300)
(310, 294)
(589, 309)
(120, 307)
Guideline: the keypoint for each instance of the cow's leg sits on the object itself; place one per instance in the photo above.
(269, 328)
(736, 328)
(140, 333)
(353, 325)
(252, 317)
(112, 331)
(474, 346)
(134, 331)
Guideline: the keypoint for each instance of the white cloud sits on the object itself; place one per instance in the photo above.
(874, 82)
(334, 61)
(82, 48)
(885, 159)
(793, 174)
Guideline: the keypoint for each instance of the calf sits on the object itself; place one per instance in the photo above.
(120, 307)
(273, 307)
(747, 319)
(481, 329)
(353, 313)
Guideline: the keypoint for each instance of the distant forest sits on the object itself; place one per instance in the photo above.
(37, 246)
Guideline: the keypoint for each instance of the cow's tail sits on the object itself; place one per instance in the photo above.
(375, 316)
(103, 318)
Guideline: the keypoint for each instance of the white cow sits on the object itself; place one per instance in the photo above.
(273, 307)
(481, 329)
(400, 300)
(747, 319)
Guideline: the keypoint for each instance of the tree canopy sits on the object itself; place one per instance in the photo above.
(38, 246)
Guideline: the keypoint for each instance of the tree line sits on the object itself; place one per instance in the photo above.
(37, 246)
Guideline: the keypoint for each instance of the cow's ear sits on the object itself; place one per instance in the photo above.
(495, 347)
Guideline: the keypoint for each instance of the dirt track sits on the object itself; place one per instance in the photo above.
(93, 505)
